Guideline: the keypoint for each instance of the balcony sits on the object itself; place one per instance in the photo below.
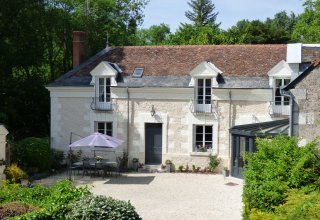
(203, 107)
(97, 105)
(277, 110)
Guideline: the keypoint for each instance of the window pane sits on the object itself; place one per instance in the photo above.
(108, 82)
(286, 81)
(286, 100)
(109, 125)
(200, 91)
(199, 129)
(208, 91)
(208, 145)
(208, 82)
(101, 81)
(278, 82)
(208, 137)
(109, 133)
(199, 137)
(200, 82)
(208, 129)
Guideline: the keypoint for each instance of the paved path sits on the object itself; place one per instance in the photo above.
(170, 196)
(176, 196)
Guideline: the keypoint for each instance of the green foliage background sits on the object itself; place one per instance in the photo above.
(278, 166)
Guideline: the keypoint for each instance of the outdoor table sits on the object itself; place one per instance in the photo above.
(105, 165)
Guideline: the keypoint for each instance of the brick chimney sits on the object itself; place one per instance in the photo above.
(78, 47)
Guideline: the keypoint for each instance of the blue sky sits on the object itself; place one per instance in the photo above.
(230, 11)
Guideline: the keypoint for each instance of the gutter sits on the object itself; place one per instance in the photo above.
(230, 135)
(128, 122)
(290, 96)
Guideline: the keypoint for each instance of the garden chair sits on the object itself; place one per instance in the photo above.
(86, 168)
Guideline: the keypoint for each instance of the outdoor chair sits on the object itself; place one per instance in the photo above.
(97, 168)
(86, 168)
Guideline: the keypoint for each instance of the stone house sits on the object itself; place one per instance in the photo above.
(305, 93)
(175, 102)
(3, 144)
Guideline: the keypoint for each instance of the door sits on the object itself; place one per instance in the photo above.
(240, 145)
(153, 132)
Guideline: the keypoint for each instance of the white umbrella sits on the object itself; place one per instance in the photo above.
(97, 140)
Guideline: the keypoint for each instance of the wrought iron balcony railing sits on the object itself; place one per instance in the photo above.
(106, 105)
(203, 106)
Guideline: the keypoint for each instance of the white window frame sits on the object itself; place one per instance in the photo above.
(203, 104)
(103, 93)
(283, 100)
(204, 144)
(108, 130)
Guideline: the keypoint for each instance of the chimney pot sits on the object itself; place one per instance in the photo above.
(78, 47)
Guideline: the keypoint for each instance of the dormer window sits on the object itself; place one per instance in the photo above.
(104, 75)
(278, 98)
(279, 76)
(104, 90)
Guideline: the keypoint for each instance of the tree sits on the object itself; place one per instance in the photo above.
(188, 34)
(155, 35)
(307, 29)
(202, 13)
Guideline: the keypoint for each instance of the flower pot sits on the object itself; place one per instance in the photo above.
(135, 166)
(225, 173)
(168, 168)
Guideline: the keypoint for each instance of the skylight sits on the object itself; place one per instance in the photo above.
(137, 73)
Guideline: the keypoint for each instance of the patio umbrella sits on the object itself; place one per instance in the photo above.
(97, 140)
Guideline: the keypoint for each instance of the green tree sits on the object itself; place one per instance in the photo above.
(202, 13)
(278, 165)
(188, 34)
(154, 35)
(307, 29)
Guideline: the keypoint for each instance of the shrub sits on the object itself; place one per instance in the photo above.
(123, 161)
(32, 153)
(213, 162)
(100, 207)
(180, 168)
(57, 158)
(278, 165)
(298, 205)
(53, 202)
(14, 209)
(74, 156)
(14, 173)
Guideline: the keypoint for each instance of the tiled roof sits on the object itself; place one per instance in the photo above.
(309, 53)
(174, 63)
(233, 60)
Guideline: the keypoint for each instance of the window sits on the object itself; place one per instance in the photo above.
(203, 138)
(137, 73)
(104, 128)
(104, 90)
(204, 91)
(278, 98)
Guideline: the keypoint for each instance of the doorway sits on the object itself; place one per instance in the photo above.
(153, 143)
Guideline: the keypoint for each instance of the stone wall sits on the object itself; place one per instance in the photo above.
(307, 107)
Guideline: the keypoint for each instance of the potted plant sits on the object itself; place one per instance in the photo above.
(98, 158)
(135, 164)
(225, 172)
(168, 166)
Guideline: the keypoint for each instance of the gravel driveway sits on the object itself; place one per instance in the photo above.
(176, 195)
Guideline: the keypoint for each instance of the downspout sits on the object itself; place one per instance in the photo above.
(230, 124)
(128, 122)
(290, 96)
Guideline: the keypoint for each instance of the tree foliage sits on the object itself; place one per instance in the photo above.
(279, 165)
(202, 13)
(36, 45)
(307, 29)
(154, 35)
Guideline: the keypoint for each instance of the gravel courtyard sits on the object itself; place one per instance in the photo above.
(176, 195)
